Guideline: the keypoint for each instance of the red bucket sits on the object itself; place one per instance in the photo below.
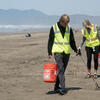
(98, 59)
(50, 71)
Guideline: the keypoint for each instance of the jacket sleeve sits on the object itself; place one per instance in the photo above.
(50, 41)
(72, 41)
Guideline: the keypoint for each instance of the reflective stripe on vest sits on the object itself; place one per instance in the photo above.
(56, 31)
(61, 44)
(92, 39)
(94, 27)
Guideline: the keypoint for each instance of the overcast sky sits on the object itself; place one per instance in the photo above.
(55, 7)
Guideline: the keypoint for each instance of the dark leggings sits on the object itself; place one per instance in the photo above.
(89, 52)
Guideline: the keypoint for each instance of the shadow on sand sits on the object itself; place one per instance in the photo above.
(67, 89)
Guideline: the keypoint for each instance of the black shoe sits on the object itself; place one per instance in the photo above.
(62, 92)
(56, 89)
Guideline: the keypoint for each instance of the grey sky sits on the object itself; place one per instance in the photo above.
(55, 7)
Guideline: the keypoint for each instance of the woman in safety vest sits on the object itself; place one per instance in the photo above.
(91, 37)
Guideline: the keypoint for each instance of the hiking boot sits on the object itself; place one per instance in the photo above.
(89, 76)
(95, 76)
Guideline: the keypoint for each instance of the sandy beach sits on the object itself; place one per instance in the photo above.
(21, 70)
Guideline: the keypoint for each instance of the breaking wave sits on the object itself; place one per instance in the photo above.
(23, 26)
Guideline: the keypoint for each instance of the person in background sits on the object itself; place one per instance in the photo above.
(91, 37)
(60, 40)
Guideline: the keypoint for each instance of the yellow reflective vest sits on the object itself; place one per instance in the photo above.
(91, 39)
(61, 44)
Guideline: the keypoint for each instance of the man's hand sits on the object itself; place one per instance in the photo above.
(78, 52)
(50, 57)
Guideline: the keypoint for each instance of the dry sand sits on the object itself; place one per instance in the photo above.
(21, 71)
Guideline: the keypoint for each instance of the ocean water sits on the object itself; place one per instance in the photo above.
(24, 28)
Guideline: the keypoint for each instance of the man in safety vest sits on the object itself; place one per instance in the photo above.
(61, 38)
(91, 35)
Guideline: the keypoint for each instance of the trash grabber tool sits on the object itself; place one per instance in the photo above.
(96, 84)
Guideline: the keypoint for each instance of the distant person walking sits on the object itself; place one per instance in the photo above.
(60, 39)
(91, 35)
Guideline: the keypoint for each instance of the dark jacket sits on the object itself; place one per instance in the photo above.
(51, 38)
